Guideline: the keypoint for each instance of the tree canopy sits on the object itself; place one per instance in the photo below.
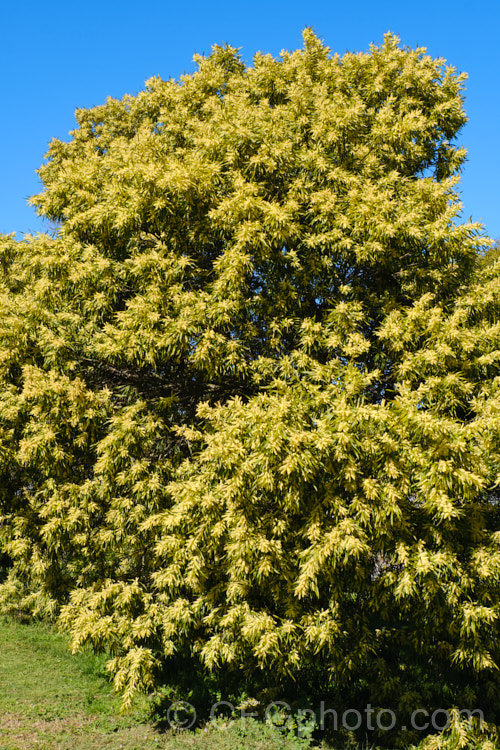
(249, 390)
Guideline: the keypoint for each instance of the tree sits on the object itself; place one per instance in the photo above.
(249, 393)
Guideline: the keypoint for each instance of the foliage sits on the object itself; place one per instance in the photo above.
(469, 734)
(249, 392)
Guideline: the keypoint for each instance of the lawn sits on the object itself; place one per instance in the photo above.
(52, 699)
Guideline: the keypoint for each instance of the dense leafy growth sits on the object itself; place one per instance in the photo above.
(249, 391)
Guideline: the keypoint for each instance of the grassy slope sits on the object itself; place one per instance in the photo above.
(51, 699)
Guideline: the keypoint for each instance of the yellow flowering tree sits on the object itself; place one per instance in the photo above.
(249, 392)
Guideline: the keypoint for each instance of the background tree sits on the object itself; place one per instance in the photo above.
(249, 391)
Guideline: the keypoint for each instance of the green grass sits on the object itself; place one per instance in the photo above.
(53, 700)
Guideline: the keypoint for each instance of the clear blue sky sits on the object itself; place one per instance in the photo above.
(56, 56)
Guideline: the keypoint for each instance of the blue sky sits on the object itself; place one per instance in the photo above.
(57, 56)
